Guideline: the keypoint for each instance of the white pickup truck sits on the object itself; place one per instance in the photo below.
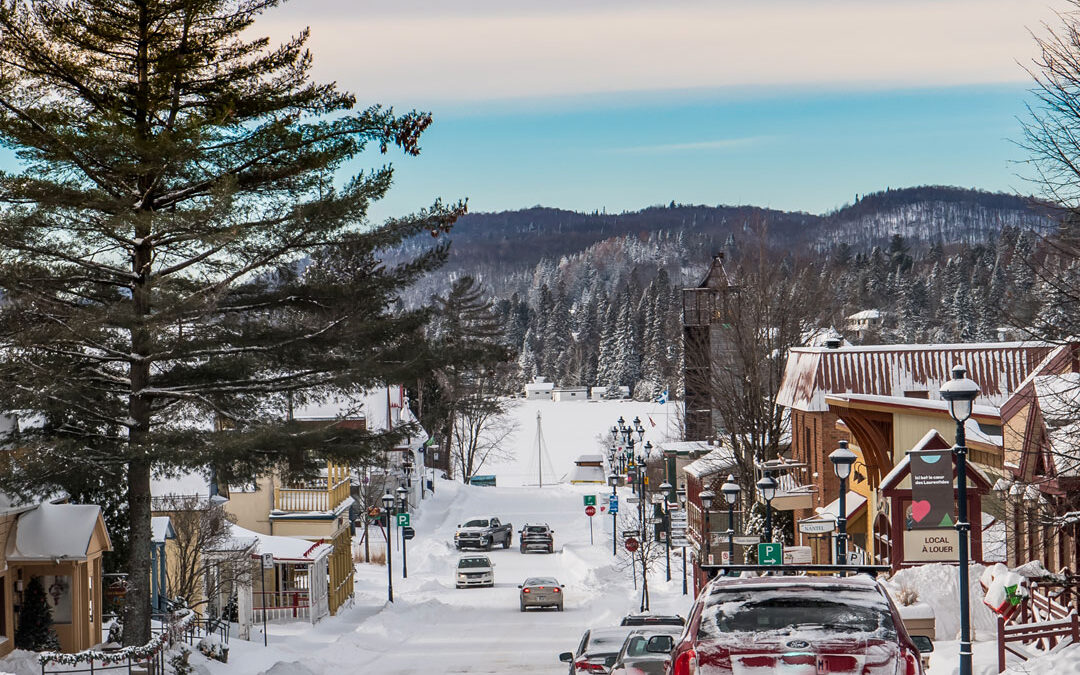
(474, 570)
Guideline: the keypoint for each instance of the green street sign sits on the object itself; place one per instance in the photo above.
(770, 554)
(403, 520)
(590, 500)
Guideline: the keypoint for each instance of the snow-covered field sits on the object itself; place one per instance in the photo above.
(433, 628)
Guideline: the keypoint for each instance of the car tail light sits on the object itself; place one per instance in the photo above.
(686, 663)
(525, 590)
(912, 665)
(555, 589)
(590, 667)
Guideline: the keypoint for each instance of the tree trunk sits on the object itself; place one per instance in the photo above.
(137, 601)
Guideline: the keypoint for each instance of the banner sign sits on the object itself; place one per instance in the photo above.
(932, 502)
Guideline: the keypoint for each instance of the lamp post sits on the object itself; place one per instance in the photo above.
(961, 392)
(388, 504)
(842, 459)
(613, 481)
(403, 505)
(767, 487)
(731, 490)
(681, 495)
(665, 487)
(707, 498)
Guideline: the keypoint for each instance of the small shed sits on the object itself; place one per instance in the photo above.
(588, 469)
(63, 544)
(570, 394)
(539, 389)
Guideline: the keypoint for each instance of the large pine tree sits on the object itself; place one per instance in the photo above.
(177, 251)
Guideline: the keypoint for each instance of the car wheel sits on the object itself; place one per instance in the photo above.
(560, 607)
(487, 545)
(522, 549)
(551, 549)
(506, 542)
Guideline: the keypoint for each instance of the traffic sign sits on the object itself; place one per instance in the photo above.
(403, 520)
(654, 521)
(590, 500)
(748, 540)
(679, 542)
(408, 532)
(590, 511)
(268, 561)
(770, 553)
(633, 500)
(631, 544)
(613, 504)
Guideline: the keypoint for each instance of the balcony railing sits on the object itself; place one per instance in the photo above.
(319, 496)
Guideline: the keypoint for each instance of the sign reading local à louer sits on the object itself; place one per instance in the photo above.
(930, 545)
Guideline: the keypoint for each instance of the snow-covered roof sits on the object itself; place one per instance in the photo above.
(718, 460)
(587, 474)
(854, 502)
(597, 459)
(10, 504)
(284, 549)
(161, 529)
(865, 315)
(812, 373)
(55, 532)
(539, 386)
(1059, 397)
(685, 447)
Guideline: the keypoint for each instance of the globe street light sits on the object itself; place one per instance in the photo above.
(961, 392)
(388, 504)
(403, 506)
(767, 487)
(707, 498)
(842, 459)
(665, 488)
(731, 490)
(613, 481)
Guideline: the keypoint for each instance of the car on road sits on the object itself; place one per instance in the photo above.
(541, 592)
(537, 537)
(646, 651)
(779, 623)
(483, 532)
(652, 620)
(474, 570)
(597, 650)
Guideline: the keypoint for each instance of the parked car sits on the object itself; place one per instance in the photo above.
(475, 570)
(773, 623)
(597, 650)
(537, 537)
(646, 651)
(652, 620)
(483, 532)
(541, 592)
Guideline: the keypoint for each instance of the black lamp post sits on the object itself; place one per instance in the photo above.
(681, 494)
(767, 487)
(707, 498)
(613, 481)
(961, 392)
(731, 490)
(388, 505)
(842, 459)
(403, 506)
(665, 488)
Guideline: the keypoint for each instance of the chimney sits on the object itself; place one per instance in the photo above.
(833, 343)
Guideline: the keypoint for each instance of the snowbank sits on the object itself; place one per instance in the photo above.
(1063, 661)
(938, 586)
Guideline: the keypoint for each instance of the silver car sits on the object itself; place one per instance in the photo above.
(475, 570)
(646, 651)
(541, 592)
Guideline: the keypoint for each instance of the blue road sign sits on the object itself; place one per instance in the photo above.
(613, 503)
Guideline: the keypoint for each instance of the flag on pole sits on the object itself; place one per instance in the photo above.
(662, 398)
(650, 420)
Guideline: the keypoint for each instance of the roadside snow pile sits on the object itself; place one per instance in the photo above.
(1063, 661)
(938, 586)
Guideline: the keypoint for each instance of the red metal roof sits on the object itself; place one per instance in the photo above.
(891, 370)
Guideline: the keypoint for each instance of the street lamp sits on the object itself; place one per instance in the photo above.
(707, 498)
(961, 392)
(403, 507)
(613, 481)
(681, 495)
(767, 487)
(842, 459)
(731, 490)
(638, 428)
(665, 488)
(388, 504)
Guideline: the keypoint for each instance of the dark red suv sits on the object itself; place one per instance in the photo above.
(795, 624)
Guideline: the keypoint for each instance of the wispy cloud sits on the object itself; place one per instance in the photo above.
(420, 50)
(720, 144)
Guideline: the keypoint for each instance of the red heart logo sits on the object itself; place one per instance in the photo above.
(920, 510)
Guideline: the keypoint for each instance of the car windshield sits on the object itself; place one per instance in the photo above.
(474, 562)
(536, 529)
(541, 581)
(476, 523)
(792, 609)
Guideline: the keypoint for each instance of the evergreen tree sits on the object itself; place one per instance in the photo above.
(35, 631)
(178, 177)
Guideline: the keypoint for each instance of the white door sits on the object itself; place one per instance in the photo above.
(319, 590)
